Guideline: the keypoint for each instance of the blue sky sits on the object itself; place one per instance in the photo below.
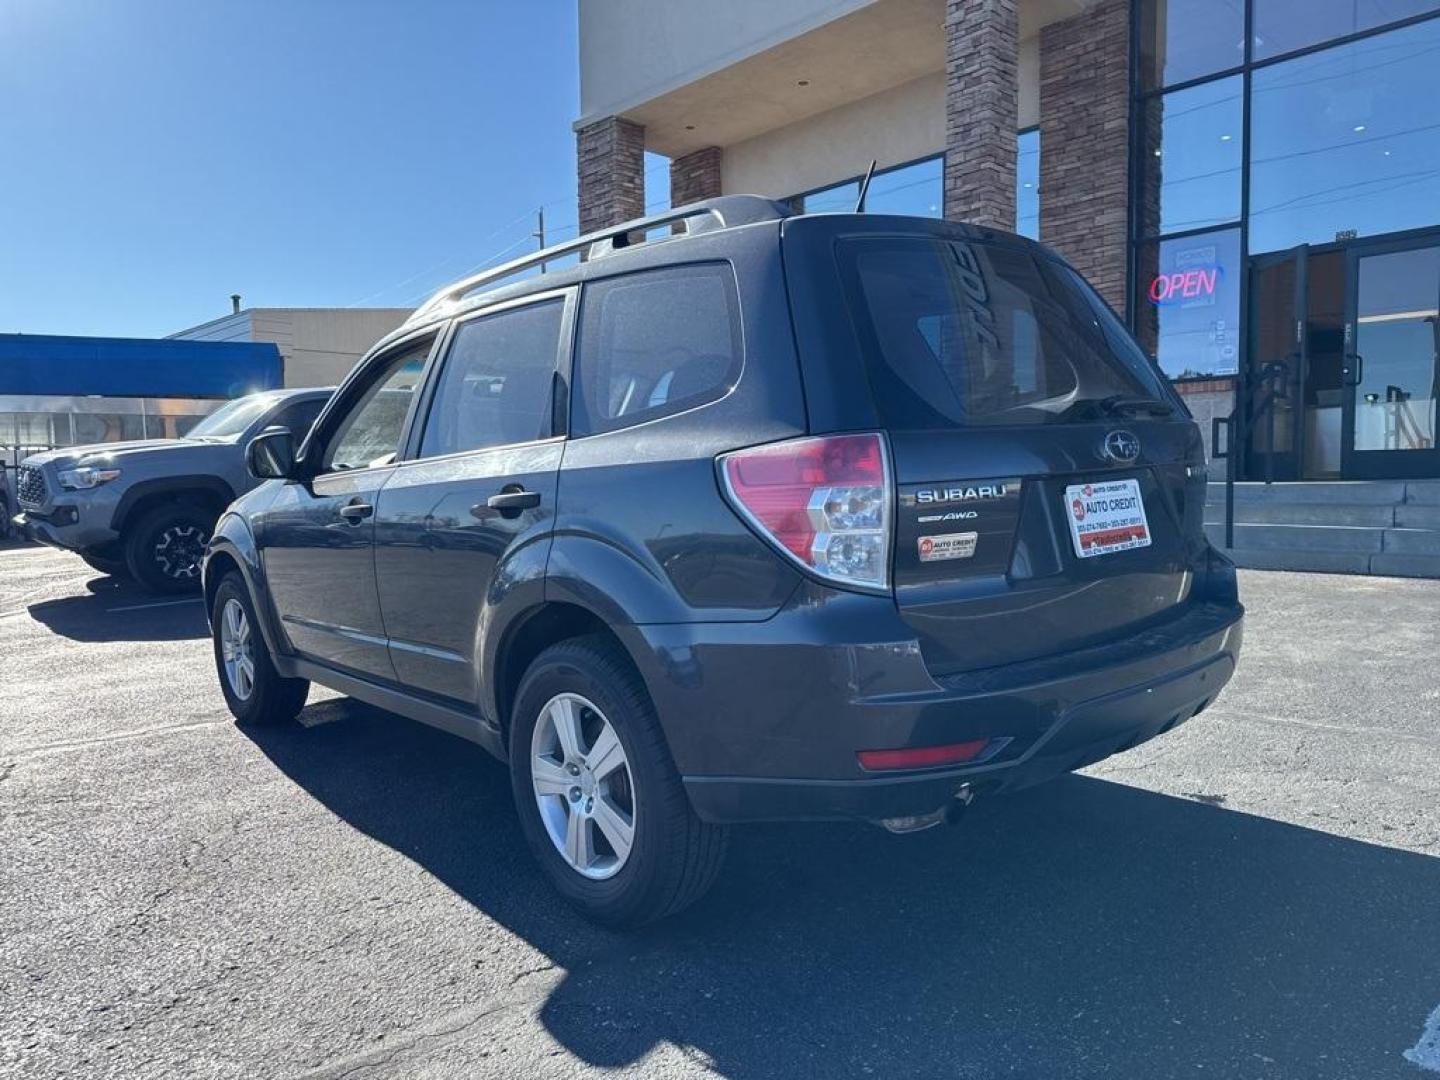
(159, 155)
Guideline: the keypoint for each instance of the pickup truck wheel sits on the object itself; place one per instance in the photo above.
(254, 691)
(599, 799)
(163, 549)
(6, 527)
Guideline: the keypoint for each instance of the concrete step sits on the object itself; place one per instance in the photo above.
(1327, 562)
(1250, 512)
(1325, 492)
(1301, 538)
(1408, 516)
(1399, 565)
(1423, 492)
(1412, 542)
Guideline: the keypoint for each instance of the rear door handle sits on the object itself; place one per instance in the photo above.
(514, 500)
(356, 512)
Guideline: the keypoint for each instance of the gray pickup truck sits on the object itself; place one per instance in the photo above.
(147, 508)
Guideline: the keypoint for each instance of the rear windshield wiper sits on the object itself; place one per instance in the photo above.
(1119, 404)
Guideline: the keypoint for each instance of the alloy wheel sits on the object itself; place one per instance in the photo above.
(237, 649)
(583, 786)
(179, 551)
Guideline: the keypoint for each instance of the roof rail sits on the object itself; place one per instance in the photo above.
(724, 212)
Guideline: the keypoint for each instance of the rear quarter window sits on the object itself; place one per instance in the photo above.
(655, 343)
(963, 333)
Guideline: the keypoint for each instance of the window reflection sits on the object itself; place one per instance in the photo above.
(1346, 141)
(1187, 304)
(1192, 154)
(1285, 25)
(1027, 184)
(839, 198)
(916, 190)
(30, 423)
(1185, 39)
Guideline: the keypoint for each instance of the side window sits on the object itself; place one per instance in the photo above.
(655, 343)
(370, 432)
(298, 417)
(496, 385)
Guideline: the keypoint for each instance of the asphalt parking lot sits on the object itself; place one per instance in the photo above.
(1255, 895)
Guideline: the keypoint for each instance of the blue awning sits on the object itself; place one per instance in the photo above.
(136, 367)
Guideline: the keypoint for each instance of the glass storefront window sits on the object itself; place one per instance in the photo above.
(1187, 307)
(917, 190)
(31, 423)
(1191, 157)
(1027, 184)
(1344, 142)
(1185, 39)
(1281, 26)
(839, 198)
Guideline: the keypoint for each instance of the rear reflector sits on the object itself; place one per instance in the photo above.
(825, 502)
(922, 757)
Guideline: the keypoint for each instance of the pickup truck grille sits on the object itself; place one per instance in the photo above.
(30, 485)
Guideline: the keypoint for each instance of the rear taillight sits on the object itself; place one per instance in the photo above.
(826, 502)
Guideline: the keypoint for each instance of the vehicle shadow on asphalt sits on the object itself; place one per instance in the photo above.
(114, 609)
(1081, 929)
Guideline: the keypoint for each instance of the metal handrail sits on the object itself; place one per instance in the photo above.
(1265, 408)
(723, 212)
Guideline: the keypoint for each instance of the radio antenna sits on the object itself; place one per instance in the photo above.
(865, 188)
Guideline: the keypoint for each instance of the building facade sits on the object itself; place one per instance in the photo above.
(318, 346)
(1253, 184)
(68, 391)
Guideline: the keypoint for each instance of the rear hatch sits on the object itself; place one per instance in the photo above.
(1048, 484)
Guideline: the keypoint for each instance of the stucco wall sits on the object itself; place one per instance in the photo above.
(633, 50)
(897, 125)
(892, 127)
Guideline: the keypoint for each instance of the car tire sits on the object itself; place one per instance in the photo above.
(256, 694)
(588, 686)
(113, 567)
(164, 547)
(7, 527)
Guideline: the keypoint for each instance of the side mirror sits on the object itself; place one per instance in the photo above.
(271, 454)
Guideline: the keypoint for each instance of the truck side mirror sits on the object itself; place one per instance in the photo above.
(271, 454)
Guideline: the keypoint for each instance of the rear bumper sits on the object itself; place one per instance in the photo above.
(762, 731)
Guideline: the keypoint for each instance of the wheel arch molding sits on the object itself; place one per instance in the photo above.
(232, 546)
(139, 495)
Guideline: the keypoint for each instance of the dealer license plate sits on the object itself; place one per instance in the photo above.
(1106, 517)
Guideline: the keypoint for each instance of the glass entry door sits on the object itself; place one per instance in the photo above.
(1275, 365)
(1392, 361)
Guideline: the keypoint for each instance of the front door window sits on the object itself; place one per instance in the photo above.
(1394, 369)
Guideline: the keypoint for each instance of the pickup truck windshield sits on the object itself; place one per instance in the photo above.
(966, 333)
(232, 418)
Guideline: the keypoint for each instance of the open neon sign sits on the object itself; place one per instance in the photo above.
(1190, 284)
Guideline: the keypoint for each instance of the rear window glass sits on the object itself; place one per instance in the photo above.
(654, 343)
(968, 333)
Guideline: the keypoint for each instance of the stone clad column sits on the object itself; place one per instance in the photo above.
(981, 111)
(610, 159)
(1085, 143)
(695, 176)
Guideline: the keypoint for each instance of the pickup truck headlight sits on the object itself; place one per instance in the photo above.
(85, 477)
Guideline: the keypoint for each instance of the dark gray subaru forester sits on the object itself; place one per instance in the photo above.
(748, 516)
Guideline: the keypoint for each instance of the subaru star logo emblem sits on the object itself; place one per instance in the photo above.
(1121, 447)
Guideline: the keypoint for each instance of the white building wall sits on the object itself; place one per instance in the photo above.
(230, 328)
(895, 126)
(892, 127)
(318, 346)
(634, 50)
(324, 344)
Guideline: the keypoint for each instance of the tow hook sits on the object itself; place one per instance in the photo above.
(949, 814)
